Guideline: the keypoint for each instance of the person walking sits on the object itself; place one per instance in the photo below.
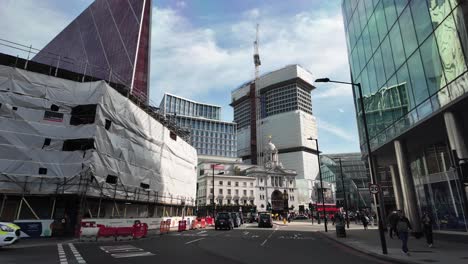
(403, 227)
(365, 221)
(427, 228)
(371, 220)
(392, 222)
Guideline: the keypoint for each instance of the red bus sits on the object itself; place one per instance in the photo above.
(330, 209)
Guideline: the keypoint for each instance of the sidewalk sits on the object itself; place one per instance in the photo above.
(37, 242)
(368, 241)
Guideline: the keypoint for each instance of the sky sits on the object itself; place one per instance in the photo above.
(202, 50)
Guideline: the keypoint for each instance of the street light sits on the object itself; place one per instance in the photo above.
(213, 201)
(371, 162)
(344, 194)
(321, 185)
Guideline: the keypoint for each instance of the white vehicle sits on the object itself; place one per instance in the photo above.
(9, 233)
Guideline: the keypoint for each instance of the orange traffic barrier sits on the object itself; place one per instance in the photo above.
(194, 224)
(182, 225)
(164, 227)
(203, 223)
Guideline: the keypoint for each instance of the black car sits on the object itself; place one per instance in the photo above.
(224, 221)
(252, 217)
(264, 220)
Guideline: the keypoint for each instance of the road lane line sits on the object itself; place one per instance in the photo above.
(62, 255)
(264, 242)
(201, 232)
(190, 242)
(76, 254)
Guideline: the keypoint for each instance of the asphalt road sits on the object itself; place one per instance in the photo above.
(247, 244)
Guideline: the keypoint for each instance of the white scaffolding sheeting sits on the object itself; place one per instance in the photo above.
(36, 116)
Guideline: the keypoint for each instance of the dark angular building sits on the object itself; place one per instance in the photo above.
(109, 40)
(411, 58)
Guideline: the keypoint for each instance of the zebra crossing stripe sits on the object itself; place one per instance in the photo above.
(62, 255)
(125, 251)
(76, 254)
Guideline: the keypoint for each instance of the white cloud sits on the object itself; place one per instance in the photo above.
(341, 110)
(334, 91)
(337, 131)
(188, 59)
(252, 13)
(181, 4)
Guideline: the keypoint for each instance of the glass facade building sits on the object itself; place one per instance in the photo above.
(110, 40)
(410, 56)
(209, 135)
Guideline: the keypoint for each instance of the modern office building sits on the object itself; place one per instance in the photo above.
(110, 40)
(355, 179)
(209, 135)
(279, 104)
(411, 60)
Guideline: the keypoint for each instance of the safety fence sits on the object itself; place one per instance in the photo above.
(129, 229)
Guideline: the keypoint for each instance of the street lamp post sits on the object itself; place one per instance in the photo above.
(213, 201)
(321, 184)
(371, 161)
(344, 194)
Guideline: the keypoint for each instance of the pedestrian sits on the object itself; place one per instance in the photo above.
(358, 217)
(371, 220)
(427, 228)
(403, 227)
(365, 221)
(392, 222)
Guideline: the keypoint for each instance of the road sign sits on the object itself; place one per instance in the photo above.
(374, 188)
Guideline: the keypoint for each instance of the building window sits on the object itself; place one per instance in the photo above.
(237, 184)
(251, 184)
(245, 192)
(229, 183)
(251, 192)
(245, 184)
(237, 192)
(211, 190)
(229, 191)
(220, 191)
(220, 182)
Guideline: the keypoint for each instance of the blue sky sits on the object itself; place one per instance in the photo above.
(202, 49)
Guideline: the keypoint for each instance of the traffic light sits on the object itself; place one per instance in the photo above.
(311, 206)
(268, 207)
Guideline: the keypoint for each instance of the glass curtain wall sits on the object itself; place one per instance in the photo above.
(410, 58)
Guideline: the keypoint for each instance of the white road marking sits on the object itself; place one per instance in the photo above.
(77, 254)
(190, 242)
(132, 254)
(264, 242)
(246, 233)
(62, 255)
(125, 251)
(201, 232)
(255, 236)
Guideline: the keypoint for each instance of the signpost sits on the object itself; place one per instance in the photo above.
(374, 188)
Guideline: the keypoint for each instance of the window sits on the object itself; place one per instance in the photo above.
(422, 19)
(237, 192)
(229, 183)
(111, 179)
(229, 191)
(211, 190)
(54, 108)
(220, 191)
(78, 144)
(237, 184)
(220, 182)
(432, 68)
(46, 142)
(173, 135)
(251, 192)
(244, 183)
(418, 81)
(42, 171)
(407, 32)
(83, 114)
(251, 184)
(108, 124)
(397, 46)
(144, 185)
(53, 116)
(245, 192)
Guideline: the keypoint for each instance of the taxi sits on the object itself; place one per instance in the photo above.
(9, 233)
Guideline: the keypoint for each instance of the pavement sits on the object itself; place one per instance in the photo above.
(368, 242)
(292, 243)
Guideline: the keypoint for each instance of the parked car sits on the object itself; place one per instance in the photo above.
(9, 233)
(264, 220)
(223, 221)
(236, 219)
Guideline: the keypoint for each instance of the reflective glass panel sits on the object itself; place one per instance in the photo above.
(387, 57)
(390, 12)
(422, 20)
(418, 80)
(380, 19)
(397, 46)
(379, 68)
(407, 32)
(431, 61)
(451, 53)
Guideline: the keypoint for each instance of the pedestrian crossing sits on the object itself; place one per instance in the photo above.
(77, 258)
(125, 251)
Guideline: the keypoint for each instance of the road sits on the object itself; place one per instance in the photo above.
(247, 244)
